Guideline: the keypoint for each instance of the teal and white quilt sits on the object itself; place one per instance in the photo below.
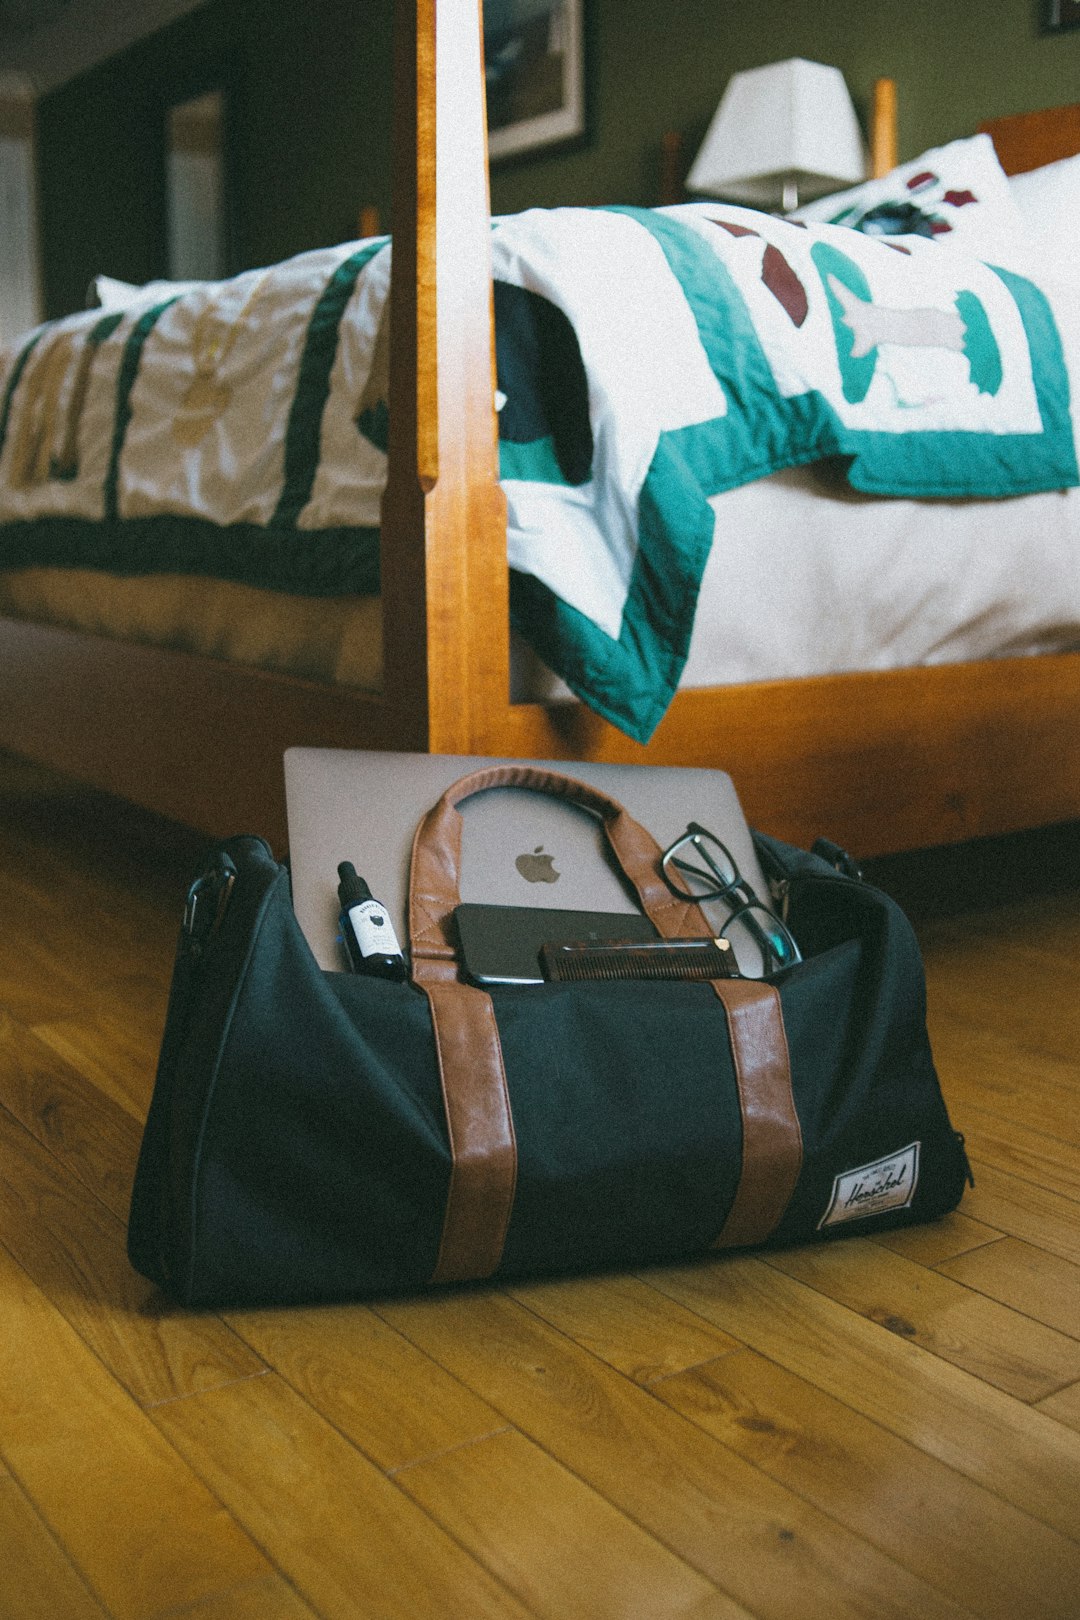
(721, 345)
(647, 361)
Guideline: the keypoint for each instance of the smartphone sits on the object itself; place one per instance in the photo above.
(501, 944)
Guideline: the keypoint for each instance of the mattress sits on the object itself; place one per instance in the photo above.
(805, 577)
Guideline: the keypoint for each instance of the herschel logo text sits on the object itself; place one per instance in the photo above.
(872, 1189)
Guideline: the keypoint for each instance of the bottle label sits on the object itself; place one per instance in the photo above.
(373, 929)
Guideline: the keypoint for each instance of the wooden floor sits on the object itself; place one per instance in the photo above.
(880, 1429)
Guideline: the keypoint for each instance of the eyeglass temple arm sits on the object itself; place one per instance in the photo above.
(697, 834)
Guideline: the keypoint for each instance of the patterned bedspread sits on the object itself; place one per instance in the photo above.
(647, 361)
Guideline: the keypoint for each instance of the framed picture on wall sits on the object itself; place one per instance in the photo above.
(534, 62)
(1061, 14)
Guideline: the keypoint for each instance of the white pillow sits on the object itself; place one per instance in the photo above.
(1049, 204)
(107, 293)
(955, 194)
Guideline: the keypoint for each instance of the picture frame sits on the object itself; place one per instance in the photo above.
(1060, 15)
(534, 58)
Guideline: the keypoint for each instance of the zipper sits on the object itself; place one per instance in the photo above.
(204, 910)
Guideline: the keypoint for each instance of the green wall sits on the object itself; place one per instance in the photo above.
(657, 65)
(309, 95)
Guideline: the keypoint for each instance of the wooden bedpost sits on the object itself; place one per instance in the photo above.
(444, 515)
(883, 128)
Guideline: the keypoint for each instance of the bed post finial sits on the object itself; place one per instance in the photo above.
(883, 128)
(444, 514)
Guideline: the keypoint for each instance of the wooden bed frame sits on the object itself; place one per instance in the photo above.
(880, 762)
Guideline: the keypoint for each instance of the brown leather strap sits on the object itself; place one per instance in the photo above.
(772, 1139)
(478, 1118)
(483, 1150)
(436, 864)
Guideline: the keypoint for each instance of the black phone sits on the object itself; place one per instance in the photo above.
(501, 944)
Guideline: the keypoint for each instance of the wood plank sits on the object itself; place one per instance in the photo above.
(357, 1545)
(37, 981)
(1026, 1278)
(96, 1139)
(510, 1505)
(959, 1536)
(1064, 1406)
(70, 859)
(74, 1250)
(758, 1542)
(114, 1039)
(1042, 1030)
(1023, 1210)
(64, 842)
(938, 1240)
(99, 1473)
(999, 1345)
(626, 1324)
(388, 1398)
(1037, 1021)
(269, 1599)
(69, 866)
(982, 1433)
(1049, 1161)
(997, 1078)
(38, 1582)
(1020, 897)
(992, 1068)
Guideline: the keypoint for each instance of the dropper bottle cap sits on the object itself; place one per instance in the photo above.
(351, 887)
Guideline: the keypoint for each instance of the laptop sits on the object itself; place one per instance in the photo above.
(519, 848)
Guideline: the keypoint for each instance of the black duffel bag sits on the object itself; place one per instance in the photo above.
(326, 1136)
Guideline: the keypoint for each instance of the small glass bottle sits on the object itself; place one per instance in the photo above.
(366, 928)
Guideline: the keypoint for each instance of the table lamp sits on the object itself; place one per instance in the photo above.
(782, 132)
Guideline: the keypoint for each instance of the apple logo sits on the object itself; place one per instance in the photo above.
(537, 867)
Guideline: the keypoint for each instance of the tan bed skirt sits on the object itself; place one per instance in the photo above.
(335, 639)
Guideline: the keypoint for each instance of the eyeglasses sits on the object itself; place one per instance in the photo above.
(700, 868)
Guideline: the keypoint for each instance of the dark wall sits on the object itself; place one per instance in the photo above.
(663, 64)
(309, 94)
(308, 110)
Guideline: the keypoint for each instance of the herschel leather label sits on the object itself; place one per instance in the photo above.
(872, 1189)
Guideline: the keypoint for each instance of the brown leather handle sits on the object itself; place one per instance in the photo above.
(436, 864)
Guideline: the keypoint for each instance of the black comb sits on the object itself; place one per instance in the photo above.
(639, 959)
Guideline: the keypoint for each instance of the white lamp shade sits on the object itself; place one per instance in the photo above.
(788, 124)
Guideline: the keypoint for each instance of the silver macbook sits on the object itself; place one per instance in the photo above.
(519, 848)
